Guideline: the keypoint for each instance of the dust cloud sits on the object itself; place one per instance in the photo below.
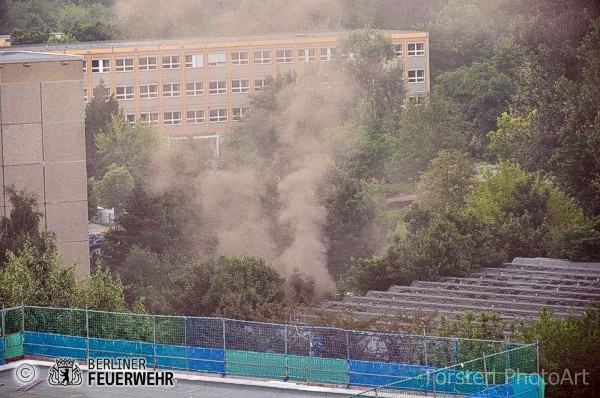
(271, 207)
(151, 19)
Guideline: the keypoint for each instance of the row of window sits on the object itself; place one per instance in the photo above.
(218, 59)
(193, 116)
(239, 86)
(148, 91)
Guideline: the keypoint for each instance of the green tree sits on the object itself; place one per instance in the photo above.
(102, 290)
(572, 344)
(71, 14)
(527, 211)
(35, 36)
(456, 41)
(351, 226)
(368, 57)
(94, 31)
(98, 115)
(245, 288)
(23, 223)
(434, 247)
(483, 90)
(425, 129)
(124, 145)
(448, 179)
(150, 222)
(34, 276)
(114, 188)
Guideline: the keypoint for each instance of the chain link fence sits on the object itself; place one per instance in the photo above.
(510, 373)
(254, 349)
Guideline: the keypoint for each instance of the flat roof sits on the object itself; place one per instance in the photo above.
(12, 56)
(208, 39)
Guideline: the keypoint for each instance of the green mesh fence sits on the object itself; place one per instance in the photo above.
(263, 350)
(12, 333)
(508, 373)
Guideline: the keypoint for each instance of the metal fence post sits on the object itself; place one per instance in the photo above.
(434, 389)
(87, 335)
(485, 376)
(539, 375)
(3, 335)
(506, 375)
(154, 341)
(348, 355)
(455, 351)
(425, 348)
(224, 350)
(187, 354)
(286, 375)
(23, 326)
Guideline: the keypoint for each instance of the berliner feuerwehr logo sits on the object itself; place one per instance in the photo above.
(64, 373)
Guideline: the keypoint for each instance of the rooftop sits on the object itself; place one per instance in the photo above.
(203, 40)
(12, 56)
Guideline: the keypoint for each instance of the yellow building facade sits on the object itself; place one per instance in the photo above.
(201, 87)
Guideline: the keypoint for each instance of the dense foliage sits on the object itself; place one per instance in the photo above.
(504, 155)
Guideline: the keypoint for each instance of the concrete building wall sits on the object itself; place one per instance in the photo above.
(42, 136)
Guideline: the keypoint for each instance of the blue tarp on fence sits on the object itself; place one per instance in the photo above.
(167, 356)
(374, 374)
(55, 346)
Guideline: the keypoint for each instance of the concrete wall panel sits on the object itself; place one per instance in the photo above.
(65, 181)
(68, 220)
(61, 101)
(22, 143)
(78, 252)
(21, 103)
(30, 177)
(64, 141)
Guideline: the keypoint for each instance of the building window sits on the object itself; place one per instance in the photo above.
(171, 90)
(84, 66)
(398, 50)
(417, 98)
(239, 113)
(416, 76)
(130, 117)
(261, 84)
(148, 91)
(125, 92)
(262, 57)
(100, 65)
(218, 115)
(124, 64)
(85, 95)
(194, 88)
(217, 59)
(239, 58)
(217, 87)
(147, 63)
(416, 49)
(150, 118)
(307, 54)
(284, 56)
(171, 62)
(194, 60)
(195, 116)
(327, 53)
(240, 86)
(172, 118)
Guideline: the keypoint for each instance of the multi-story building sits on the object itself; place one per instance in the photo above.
(43, 144)
(199, 87)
